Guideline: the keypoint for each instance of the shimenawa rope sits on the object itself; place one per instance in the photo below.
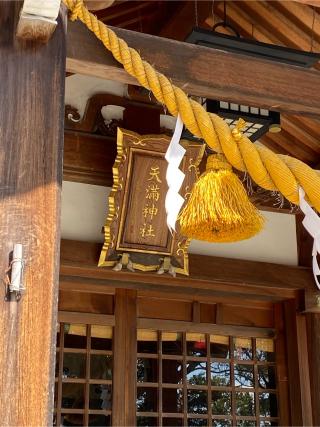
(269, 170)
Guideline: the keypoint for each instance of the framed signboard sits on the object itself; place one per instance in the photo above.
(136, 221)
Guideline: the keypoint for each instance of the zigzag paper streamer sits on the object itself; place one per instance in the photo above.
(174, 176)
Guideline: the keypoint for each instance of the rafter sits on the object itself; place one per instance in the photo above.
(180, 25)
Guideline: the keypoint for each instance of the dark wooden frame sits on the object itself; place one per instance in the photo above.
(88, 319)
(126, 321)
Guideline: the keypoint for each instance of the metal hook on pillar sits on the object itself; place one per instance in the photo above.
(15, 273)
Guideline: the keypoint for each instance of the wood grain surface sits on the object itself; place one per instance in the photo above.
(201, 71)
(31, 142)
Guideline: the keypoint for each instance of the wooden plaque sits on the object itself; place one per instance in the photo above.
(136, 221)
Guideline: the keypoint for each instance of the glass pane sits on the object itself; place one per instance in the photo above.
(243, 348)
(196, 344)
(220, 374)
(147, 421)
(100, 396)
(147, 341)
(219, 346)
(100, 367)
(74, 365)
(72, 396)
(197, 373)
(101, 337)
(265, 349)
(171, 422)
(221, 403)
(172, 400)
(246, 423)
(268, 404)
(245, 404)
(267, 377)
(197, 402)
(171, 343)
(243, 376)
(75, 336)
(172, 372)
(147, 370)
(221, 423)
(72, 420)
(197, 422)
(100, 420)
(147, 399)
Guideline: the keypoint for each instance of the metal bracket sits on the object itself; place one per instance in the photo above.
(166, 267)
(124, 261)
(16, 268)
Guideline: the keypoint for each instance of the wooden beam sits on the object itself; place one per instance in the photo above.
(207, 328)
(88, 158)
(38, 20)
(208, 276)
(201, 71)
(31, 140)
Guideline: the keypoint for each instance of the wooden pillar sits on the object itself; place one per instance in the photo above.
(298, 365)
(125, 350)
(31, 143)
(313, 328)
(312, 313)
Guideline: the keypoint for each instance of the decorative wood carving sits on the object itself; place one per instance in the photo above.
(136, 222)
(93, 121)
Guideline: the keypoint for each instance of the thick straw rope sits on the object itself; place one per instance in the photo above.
(269, 170)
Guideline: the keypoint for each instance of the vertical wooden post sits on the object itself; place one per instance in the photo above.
(298, 366)
(282, 370)
(31, 142)
(125, 350)
(313, 328)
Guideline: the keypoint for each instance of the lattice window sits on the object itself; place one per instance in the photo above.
(195, 379)
(83, 385)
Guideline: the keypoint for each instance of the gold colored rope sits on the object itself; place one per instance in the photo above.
(269, 170)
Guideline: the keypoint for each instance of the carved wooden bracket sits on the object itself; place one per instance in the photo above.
(141, 117)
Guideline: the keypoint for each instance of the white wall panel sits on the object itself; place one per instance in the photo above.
(84, 212)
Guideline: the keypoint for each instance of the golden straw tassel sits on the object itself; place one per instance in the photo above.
(219, 209)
